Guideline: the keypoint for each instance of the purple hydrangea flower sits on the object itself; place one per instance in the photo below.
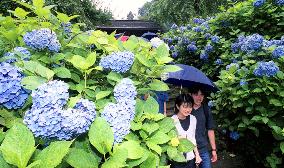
(118, 62)
(172, 47)
(191, 48)
(42, 39)
(208, 48)
(197, 29)
(175, 54)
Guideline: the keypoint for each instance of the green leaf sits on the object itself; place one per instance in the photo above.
(143, 60)
(282, 147)
(171, 68)
(185, 145)
(3, 163)
(134, 150)
(32, 82)
(101, 135)
(158, 85)
(150, 162)
(151, 106)
(159, 138)
(150, 127)
(73, 100)
(38, 3)
(117, 160)
(36, 68)
(62, 72)
(34, 164)
(18, 145)
(114, 76)
(79, 62)
(251, 101)
(275, 102)
(102, 94)
(166, 124)
(52, 155)
(136, 126)
(91, 59)
(136, 162)
(280, 75)
(172, 152)
(20, 13)
(154, 147)
(79, 158)
(179, 157)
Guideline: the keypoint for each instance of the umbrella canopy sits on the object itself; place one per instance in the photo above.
(190, 76)
(149, 35)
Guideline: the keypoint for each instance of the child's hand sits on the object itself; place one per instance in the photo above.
(198, 160)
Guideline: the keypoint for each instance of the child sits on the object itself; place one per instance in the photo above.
(186, 125)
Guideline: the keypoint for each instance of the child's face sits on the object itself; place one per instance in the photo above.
(184, 109)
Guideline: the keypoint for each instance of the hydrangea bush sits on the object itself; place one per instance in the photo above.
(84, 95)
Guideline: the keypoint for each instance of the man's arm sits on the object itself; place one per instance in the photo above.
(211, 136)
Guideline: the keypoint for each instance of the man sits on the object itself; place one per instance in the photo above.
(204, 129)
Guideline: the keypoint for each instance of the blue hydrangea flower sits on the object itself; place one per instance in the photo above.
(234, 135)
(258, 3)
(51, 94)
(235, 47)
(232, 65)
(266, 69)
(268, 43)
(207, 36)
(168, 40)
(204, 55)
(172, 47)
(182, 28)
(191, 48)
(197, 29)
(12, 57)
(175, 54)
(215, 39)
(210, 103)
(119, 120)
(124, 90)
(205, 26)
(67, 28)
(198, 21)
(279, 2)
(156, 42)
(119, 61)
(174, 26)
(208, 48)
(278, 52)
(243, 82)
(42, 39)
(185, 41)
(219, 61)
(188, 27)
(12, 94)
(252, 43)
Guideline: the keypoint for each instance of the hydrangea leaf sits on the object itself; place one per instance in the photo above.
(275, 102)
(154, 147)
(151, 161)
(185, 145)
(171, 68)
(282, 147)
(79, 62)
(134, 149)
(114, 76)
(36, 68)
(38, 3)
(20, 13)
(159, 138)
(18, 145)
(81, 159)
(101, 135)
(102, 94)
(62, 72)
(3, 163)
(166, 124)
(172, 152)
(32, 82)
(158, 85)
(151, 105)
(53, 154)
(73, 100)
(143, 60)
(117, 160)
(136, 162)
(150, 127)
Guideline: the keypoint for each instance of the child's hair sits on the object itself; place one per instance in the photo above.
(183, 99)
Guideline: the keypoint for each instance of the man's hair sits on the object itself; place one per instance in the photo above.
(183, 99)
(196, 89)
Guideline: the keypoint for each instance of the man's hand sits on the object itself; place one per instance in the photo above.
(214, 156)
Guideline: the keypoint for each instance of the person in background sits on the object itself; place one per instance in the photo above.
(186, 125)
(204, 129)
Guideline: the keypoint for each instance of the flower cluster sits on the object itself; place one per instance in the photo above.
(49, 119)
(191, 47)
(121, 114)
(248, 44)
(156, 42)
(198, 20)
(118, 62)
(218, 61)
(23, 53)
(279, 2)
(278, 52)
(204, 55)
(266, 69)
(232, 65)
(258, 3)
(243, 82)
(234, 135)
(66, 28)
(42, 39)
(12, 94)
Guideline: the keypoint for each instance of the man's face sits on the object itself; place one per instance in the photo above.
(198, 97)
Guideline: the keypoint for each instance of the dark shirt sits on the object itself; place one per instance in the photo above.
(185, 123)
(161, 97)
(204, 123)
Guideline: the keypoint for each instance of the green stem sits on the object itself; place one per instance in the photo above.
(85, 77)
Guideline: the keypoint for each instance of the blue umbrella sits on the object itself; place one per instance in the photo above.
(190, 76)
(149, 35)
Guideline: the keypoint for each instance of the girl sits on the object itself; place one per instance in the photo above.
(186, 124)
